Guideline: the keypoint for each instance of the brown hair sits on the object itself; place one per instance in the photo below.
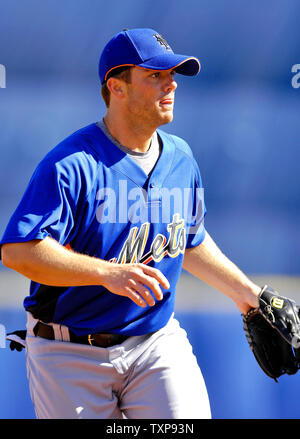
(123, 73)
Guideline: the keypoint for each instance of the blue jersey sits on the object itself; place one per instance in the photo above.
(88, 194)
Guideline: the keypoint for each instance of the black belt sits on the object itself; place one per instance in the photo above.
(100, 340)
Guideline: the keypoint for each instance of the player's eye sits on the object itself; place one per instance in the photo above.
(158, 74)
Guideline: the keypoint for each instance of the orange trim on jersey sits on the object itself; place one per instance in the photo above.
(144, 241)
(160, 248)
(148, 260)
(134, 256)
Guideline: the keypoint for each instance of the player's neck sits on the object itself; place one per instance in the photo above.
(133, 136)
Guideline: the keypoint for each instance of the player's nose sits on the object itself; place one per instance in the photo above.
(170, 84)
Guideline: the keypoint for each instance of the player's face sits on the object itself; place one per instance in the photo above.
(150, 96)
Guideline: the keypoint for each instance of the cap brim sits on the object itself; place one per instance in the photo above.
(185, 65)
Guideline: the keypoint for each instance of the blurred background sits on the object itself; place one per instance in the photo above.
(240, 116)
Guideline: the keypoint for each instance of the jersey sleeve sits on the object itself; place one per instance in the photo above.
(195, 212)
(48, 206)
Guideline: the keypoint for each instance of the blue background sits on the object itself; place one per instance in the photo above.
(240, 116)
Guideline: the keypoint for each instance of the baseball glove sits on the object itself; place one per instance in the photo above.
(17, 340)
(273, 333)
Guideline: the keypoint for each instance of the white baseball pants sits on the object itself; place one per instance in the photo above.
(146, 377)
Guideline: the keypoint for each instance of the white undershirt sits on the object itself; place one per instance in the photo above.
(146, 160)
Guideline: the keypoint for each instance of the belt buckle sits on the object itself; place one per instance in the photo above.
(90, 339)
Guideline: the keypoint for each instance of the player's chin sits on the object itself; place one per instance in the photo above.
(166, 117)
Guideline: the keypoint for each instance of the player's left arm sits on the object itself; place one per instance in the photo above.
(272, 325)
(207, 262)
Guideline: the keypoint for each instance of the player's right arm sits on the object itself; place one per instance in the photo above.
(49, 263)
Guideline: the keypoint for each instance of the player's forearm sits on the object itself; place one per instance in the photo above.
(47, 262)
(208, 263)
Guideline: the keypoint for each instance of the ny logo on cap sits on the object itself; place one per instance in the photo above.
(162, 41)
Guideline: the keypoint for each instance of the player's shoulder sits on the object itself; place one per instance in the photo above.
(73, 149)
(70, 160)
(177, 141)
(181, 146)
(183, 154)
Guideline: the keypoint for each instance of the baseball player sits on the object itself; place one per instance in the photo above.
(108, 220)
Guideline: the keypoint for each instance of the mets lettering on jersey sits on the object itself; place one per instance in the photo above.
(133, 248)
(87, 193)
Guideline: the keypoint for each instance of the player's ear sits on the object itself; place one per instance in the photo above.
(116, 87)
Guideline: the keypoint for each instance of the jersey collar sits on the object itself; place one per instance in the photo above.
(117, 160)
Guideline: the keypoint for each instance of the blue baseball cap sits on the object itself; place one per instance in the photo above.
(144, 48)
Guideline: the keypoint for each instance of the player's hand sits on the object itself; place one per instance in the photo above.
(138, 282)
